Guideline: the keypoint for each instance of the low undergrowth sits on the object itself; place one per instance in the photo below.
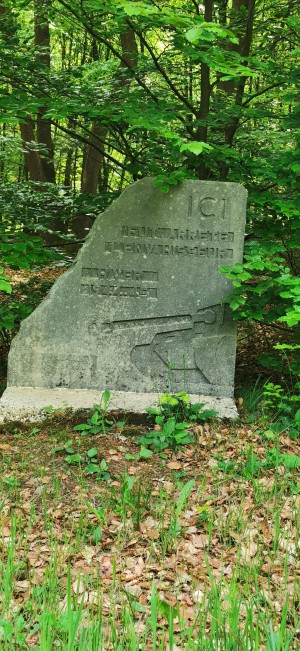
(192, 549)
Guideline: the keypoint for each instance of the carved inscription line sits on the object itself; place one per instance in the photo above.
(101, 282)
(121, 275)
(169, 249)
(177, 234)
(117, 290)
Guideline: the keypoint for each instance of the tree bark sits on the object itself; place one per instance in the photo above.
(34, 166)
(68, 167)
(42, 54)
(244, 17)
(129, 52)
(32, 157)
(205, 88)
(93, 158)
(94, 152)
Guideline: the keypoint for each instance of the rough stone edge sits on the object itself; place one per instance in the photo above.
(28, 403)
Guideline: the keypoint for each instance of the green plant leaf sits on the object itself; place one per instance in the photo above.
(290, 461)
(145, 453)
(68, 449)
(92, 452)
(137, 8)
(195, 147)
(92, 468)
(169, 427)
(97, 535)
(106, 398)
(74, 458)
(5, 286)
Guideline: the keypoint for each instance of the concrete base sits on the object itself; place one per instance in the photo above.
(28, 403)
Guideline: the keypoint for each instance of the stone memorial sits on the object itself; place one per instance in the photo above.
(141, 311)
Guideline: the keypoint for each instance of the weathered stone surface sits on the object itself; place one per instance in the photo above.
(141, 309)
(26, 403)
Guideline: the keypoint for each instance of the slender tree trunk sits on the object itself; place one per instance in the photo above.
(93, 167)
(244, 18)
(42, 45)
(2, 148)
(205, 88)
(33, 163)
(68, 167)
(92, 162)
(93, 153)
(32, 157)
(129, 53)
(93, 158)
(104, 176)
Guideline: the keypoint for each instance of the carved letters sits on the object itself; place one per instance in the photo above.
(207, 207)
(119, 282)
(175, 241)
(169, 249)
(145, 232)
(160, 241)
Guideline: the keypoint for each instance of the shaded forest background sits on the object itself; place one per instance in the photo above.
(95, 95)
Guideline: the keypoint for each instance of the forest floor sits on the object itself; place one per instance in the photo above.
(194, 548)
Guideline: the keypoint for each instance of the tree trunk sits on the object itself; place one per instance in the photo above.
(33, 163)
(205, 87)
(42, 54)
(93, 153)
(68, 167)
(93, 166)
(93, 158)
(32, 157)
(129, 52)
(244, 18)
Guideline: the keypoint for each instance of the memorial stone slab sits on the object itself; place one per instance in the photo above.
(141, 311)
